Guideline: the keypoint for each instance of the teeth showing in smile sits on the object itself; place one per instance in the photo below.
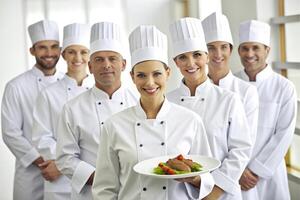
(218, 60)
(150, 90)
(48, 59)
(250, 60)
(77, 64)
(192, 70)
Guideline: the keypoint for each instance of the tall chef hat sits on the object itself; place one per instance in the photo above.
(255, 31)
(106, 36)
(43, 30)
(216, 28)
(76, 34)
(187, 35)
(148, 43)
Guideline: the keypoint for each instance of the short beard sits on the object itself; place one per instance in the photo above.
(46, 66)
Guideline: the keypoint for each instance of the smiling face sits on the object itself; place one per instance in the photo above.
(77, 58)
(192, 66)
(219, 53)
(46, 54)
(253, 56)
(107, 67)
(150, 78)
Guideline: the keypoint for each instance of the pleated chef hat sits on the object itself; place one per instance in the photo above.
(106, 36)
(255, 31)
(187, 35)
(76, 34)
(148, 43)
(216, 28)
(43, 30)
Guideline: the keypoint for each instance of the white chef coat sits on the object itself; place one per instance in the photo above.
(17, 105)
(249, 97)
(227, 129)
(129, 137)
(79, 130)
(276, 125)
(46, 114)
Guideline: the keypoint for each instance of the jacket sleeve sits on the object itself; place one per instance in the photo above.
(42, 130)
(251, 106)
(201, 146)
(68, 152)
(272, 154)
(12, 127)
(106, 182)
(239, 147)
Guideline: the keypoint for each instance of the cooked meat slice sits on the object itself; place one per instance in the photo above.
(178, 165)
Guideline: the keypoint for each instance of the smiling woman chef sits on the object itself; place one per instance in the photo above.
(155, 127)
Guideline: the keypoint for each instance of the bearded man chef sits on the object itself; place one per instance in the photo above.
(78, 129)
(219, 44)
(265, 176)
(155, 127)
(221, 110)
(51, 100)
(17, 106)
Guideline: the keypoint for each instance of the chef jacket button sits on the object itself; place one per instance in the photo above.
(162, 144)
(87, 88)
(141, 145)
(99, 103)
(69, 89)
(164, 187)
(162, 122)
(144, 189)
(121, 103)
(57, 79)
(40, 79)
(102, 123)
(182, 99)
(138, 124)
(202, 99)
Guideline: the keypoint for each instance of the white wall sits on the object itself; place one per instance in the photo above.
(12, 63)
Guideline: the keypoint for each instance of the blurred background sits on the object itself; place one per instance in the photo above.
(16, 15)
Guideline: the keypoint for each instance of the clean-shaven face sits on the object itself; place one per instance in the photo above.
(77, 58)
(218, 53)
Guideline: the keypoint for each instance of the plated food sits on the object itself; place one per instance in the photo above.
(177, 165)
(147, 167)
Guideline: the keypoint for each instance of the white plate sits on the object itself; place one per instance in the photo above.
(146, 167)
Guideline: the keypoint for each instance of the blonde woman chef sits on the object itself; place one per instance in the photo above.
(155, 127)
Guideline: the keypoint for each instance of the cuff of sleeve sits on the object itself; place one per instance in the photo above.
(81, 175)
(206, 186)
(29, 157)
(226, 183)
(258, 168)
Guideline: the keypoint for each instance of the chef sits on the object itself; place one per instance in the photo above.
(219, 44)
(221, 110)
(17, 106)
(78, 129)
(265, 176)
(155, 127)
(50, 102)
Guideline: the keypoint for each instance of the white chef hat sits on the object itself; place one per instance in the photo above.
(106, 36)
(43, 30)
(187, 35)
(255, 31)
(216, 28)
(148, 43)
(76, 34)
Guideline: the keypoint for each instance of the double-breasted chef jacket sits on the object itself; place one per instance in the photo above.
(249, 97)
(78, 133)
(17, 106)
(227, 130)
(46, 114)
(276, 125)
(129, 137)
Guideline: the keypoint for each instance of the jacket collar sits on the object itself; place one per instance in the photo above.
(162, 114)
(260, 77)
(39, 74)
(117, 95)
(73, 83)
(201, 89)
(227, 80)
